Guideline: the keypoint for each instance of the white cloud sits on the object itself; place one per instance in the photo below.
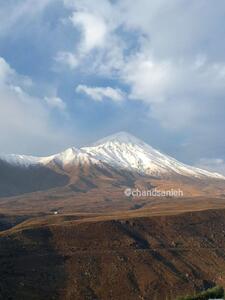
(55, 102)
(174, 66)
(68, 59)
(104, 9)
(150, 81)
(5, 71)
(25, 119)
(101, 93)
(93, 29)
(177, 92)
(16, 14)
(97, 24)
(9, 77)
(212, 164)
(93, 36)
(152, 47)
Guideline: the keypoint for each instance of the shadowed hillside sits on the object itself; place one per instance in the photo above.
(89, 257)
(16, 180)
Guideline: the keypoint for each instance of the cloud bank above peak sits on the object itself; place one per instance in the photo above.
(163, 62)
(172, 65)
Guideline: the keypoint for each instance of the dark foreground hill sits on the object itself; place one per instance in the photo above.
(90, 257)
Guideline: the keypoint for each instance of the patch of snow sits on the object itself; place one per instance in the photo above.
(121, 150)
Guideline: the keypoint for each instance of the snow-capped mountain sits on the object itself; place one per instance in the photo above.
(122, 151)
(71, 156)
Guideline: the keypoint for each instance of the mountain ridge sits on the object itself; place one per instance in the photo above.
(148, 160)
(94, 178)
(121, 150)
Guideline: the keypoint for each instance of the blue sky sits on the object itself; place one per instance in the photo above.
(72, 71)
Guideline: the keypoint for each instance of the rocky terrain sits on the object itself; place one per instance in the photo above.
(96, 257)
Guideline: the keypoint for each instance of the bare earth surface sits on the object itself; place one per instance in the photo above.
(126, 255)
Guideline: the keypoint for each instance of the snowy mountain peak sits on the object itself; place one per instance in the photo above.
(73, 156)
(122, 151)
(66, 156)
(120, 138)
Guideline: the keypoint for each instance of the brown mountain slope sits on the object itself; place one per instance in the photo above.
(17, 180)
(71, 188)
(89, 189)
(107, 258)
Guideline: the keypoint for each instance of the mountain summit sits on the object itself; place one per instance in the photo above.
(121, 137)
(120, 151)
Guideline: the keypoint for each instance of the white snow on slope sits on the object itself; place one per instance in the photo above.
(71, 156)
(126, 151)
(121, 150)
(23, 160)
